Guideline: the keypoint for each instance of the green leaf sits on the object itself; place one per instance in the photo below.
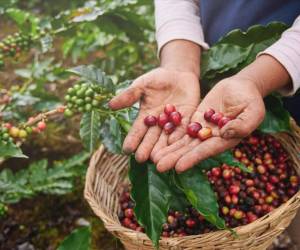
(236, 50)
(111, 135)
(94, 75)
(277, 118)
(199, 192)
(89, 14)
(151, 193)
(25, 20)
(222, 58)
(256, 34)
(9, 149)
(227, 158)
(90, 126)
(79, 239)
(179, 201)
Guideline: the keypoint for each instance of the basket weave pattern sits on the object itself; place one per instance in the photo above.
(105, 181)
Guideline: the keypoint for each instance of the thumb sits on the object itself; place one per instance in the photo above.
(246, 122)
(129, 96)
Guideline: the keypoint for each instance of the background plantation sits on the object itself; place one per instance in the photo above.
(61, 62)
(41, 196)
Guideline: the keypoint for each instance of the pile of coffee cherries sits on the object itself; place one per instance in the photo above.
(171, 118)
(242, 197)
(83, 98)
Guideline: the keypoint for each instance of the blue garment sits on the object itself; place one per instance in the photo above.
(218, 17)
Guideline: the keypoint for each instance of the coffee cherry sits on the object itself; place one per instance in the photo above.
(225, 210)
(208, 113)
(169, 128)
(251, 217)
(249, 182)
(41, 125)
(237, 154)
(223, 121)
(238, 215)
(22, 133)
(150, 120)
(162, 120)
(204, 133)
(261, 169)
(175, 118)
(227, 174)
(169, 108)
(126, 222)
(216, 117)
(129, 213)
(14, 132)
(68, 113)
(234, 189)
(193, 129)
(216, 172)
(190, 223)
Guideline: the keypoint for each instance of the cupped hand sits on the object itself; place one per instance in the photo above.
(236, 98)
(154, 90)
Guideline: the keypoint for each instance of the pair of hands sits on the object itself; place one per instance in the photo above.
(235, 97)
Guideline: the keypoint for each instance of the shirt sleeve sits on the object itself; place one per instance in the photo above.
(287, 51)
(178, 19)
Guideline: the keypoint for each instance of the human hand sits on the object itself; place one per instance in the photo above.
(235, 97)
(154, 90)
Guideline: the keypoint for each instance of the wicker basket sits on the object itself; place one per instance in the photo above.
(105, 180)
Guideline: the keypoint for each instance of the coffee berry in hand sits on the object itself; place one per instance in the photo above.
(168, 120)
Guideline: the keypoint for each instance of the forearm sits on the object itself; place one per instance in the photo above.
(181, 55)
(267, 74)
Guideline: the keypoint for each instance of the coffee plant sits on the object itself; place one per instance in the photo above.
(204, 198)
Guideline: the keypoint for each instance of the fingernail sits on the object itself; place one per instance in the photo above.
(229, 134)
(127, 151)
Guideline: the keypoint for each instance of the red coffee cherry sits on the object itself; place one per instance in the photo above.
(204, 133)
(169, 128)
(169, 108)
(162, 120)
(175, 118)
(216, 117)
(208, 113)
(150, 120)
(223, 121)
(193, 129)
(41, 125)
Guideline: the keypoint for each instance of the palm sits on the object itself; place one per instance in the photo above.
(234, 99)
(154, 90)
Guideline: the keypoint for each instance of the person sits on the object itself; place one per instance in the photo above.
(184, 28)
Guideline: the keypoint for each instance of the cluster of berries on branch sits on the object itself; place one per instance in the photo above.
(84, 97)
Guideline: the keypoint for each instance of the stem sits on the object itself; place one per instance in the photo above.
(44, 116)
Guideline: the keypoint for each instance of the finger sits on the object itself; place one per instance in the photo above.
(171, 148)
(161, 144)
(135, 135)
(204, 150)
(179, 131)
(169, 160)
(143, 152)
(246, 122)
(129, 96)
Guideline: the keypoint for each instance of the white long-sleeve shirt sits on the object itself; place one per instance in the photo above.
(180, 19)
